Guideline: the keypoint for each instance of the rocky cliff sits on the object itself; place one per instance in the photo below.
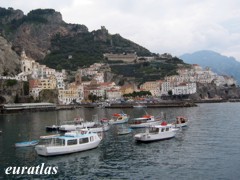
(9, 60)
(47, 38)
(211, 91)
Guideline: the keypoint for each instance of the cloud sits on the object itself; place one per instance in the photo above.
(171, 26)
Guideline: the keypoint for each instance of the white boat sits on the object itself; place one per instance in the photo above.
(181, 121)
(70, 143)
(54, 127)
(78, 123)
(119, 118)
(99, 127)
(144, 121)
(124, 131)
(49, 136)
(156, 133)
(26, 143)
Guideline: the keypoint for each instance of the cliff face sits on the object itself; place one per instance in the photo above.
(33, 32)
(10, 91)
(9, 15)
(9, 60)
(34, 35)
(47, 38)
(210, 91)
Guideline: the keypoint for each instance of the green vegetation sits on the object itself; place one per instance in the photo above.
(148, 71)
(72, 52)
(138, 94)
(93, 97)
(11, 82)
(26, 88)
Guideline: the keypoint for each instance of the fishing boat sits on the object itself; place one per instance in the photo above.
(156, 133)
(124, 130)
(54, 127)
(119, 118)
(26, 143)
(73, 142)
(99, 126)
(144, 121)
(181, 121)
(78, 123)
(104, 120)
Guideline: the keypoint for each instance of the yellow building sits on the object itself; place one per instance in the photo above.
(153, 86)
(49, 83)
(70, 95)
(127, 89)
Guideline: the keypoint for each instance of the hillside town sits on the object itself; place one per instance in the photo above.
(41, 77)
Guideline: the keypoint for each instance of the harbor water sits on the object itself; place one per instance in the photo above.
(209, 148)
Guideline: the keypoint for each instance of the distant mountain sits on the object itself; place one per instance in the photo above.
(220, 64)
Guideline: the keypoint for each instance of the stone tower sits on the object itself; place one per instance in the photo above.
(78, 77)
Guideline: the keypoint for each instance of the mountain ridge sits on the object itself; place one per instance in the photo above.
(222, 65)
(45, 37)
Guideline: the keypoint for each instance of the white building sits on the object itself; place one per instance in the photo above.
(113, 94)
(184, 89)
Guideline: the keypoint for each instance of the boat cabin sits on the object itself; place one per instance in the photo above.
(164, 127)
(181, 120)
(73, 138)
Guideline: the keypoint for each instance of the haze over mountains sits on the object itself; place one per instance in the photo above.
(220, 64)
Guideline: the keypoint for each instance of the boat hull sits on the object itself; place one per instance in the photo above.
(44, 150)
(123, 132)
(26, 144)
(148, 137)
(99, 129)
(144, 125)
(180, 125)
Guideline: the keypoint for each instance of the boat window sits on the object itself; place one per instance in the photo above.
(59, 142)
(91, 138)
(72, 142)
(162, 130)
(167, 129)
(154, 130)
(83, 140)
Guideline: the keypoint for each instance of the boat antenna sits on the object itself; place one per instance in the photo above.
(146, 112)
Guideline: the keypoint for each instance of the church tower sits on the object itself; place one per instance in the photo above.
(78, 77)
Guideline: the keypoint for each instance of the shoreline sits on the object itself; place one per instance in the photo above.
(165, 104)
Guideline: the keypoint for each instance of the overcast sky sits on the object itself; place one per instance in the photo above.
(172, 26)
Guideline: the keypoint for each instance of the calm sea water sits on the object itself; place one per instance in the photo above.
(208, 149)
